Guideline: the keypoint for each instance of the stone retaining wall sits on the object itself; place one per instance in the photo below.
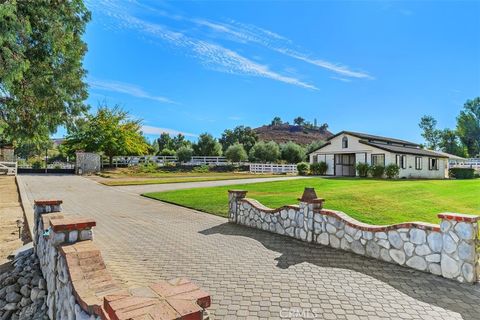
(80, 287)
(448, 250)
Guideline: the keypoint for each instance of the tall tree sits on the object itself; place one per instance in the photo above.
(450, 143)
(292, 152)
(276, 121)
(299, 121)
(468, 126)
(241, 134)
(265, 152)
(207, 145)
(430, 133)
(110, 131)
(164, 142)
(41, 71)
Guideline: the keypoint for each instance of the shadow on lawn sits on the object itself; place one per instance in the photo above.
(433, 290)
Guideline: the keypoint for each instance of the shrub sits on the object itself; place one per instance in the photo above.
(462, 173)
(184, 154)
(167, 152)
(377, 171)
(37, 165)
(236, 153)
(147, 167)
(319, 168)
(292, 152)
(202, 169)
(302, 168)
(363, 169)
(392, 171)
(265, 152)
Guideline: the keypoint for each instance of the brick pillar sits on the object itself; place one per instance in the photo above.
(309, 203)
(233, 203)
(41, 207)
(459, 256)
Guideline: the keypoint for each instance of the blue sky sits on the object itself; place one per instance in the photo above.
(196, 66)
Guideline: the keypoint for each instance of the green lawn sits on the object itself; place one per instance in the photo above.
(367, 200)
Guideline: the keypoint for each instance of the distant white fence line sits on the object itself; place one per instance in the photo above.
(272, 168)
(473, 163)
(9, 168)
(162, 160)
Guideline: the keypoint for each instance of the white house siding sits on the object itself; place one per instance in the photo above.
(360, 150)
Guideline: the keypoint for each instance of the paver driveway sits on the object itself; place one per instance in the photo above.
(250, 273)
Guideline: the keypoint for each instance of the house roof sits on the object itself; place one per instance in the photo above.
(404, 149)
(451, 156)
(369, 137)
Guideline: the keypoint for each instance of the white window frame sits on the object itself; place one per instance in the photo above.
(418, 163)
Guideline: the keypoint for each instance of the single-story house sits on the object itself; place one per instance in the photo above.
(345, 149)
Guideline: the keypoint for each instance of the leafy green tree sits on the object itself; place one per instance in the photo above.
(207, 145)
(179, 141)
(184, 153)
(299, 121)
(292, 152)
(164, 142)
(41, 71)
(450, 143)
(314, 146)
(110, 131)
(265, 152)
(236, 153)
(468, 126)
(276, 121)
(241, 134)
(430, 133)
(167, 152)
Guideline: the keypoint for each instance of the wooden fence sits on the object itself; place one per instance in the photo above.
(123, 161)
(273, 168)
(473, 163)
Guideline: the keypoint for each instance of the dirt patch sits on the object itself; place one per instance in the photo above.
(10, 212)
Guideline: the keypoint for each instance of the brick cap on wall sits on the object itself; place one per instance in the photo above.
(70, 223)
(47, 202)
(459, 217)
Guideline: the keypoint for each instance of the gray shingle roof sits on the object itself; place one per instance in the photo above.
(407, 149)
(374, 137)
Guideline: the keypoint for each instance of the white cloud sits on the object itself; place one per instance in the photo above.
(126, 88)
(158, 131)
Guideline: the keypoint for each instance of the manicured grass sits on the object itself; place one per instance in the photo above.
(367, 200)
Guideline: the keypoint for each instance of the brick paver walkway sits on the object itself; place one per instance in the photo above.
(250, 273)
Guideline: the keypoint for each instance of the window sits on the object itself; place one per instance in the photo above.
(345, 142)
(432, 164)
(418, 163)
(378, 160)
(401, 161)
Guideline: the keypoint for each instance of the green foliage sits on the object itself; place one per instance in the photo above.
(377, 171)
(110, 131)
(299, 121)
(450, 143)
(207, 145)
(314, 146)
(363, 169)
(430, 133)
(302, 168)
(392, 171)
(167, 152)
(167, 142)
(184, 154)
(37, 165)
(468, 126)
(41, 71)
(243, 135)
(462, 173)
(292, 152)
(276, 121)
(265, 152)
(236, 153)
(148, 167)
(201, 169)
(319, 168)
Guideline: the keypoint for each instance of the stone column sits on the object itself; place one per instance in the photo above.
(233, 203)
(459, 256)
(41, 207)
(309, 203)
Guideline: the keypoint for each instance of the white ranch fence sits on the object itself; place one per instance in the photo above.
(473, 163)
(272, 168)
(8, 168)
(162, 160)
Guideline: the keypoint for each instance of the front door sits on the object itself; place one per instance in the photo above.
(345, 164)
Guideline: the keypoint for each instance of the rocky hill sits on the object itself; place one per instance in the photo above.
(285, 132)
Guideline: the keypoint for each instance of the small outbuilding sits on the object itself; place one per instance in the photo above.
(345, 149)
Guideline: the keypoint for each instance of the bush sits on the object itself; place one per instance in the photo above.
(392, 171)
(236, 153)
(292, 152)
(37, 165)
(167, 152)
(363, 169)
(319, 168)
(462, 173)
(377, 171)
(201, 169)
(147, 167)
(302, 168)
(265, 152)
(184, 154)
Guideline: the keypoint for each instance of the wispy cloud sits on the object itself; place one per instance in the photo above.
(126, 88)
(158, 131)
(210, 54)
